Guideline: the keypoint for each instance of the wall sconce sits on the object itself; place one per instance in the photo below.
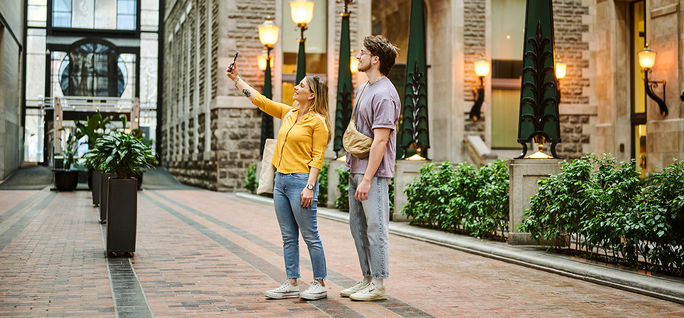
(646, 61)
(481, 69)
(561, 69)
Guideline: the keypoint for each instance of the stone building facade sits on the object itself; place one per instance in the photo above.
(211, 133)
(11, 59)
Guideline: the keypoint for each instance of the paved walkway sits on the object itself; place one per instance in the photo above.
(207, 254)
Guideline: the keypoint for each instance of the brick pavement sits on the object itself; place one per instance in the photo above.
(207, 254)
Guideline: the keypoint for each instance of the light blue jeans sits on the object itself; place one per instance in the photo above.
(369, 225)
(293, 219)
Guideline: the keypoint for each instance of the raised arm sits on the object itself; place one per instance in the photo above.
(272, 108)
(240, 84)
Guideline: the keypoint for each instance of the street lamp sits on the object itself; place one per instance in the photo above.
(301, 12)
(268, 35)
(646, 61)
(481, 70)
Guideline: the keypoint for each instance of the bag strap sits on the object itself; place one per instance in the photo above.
(357, 100)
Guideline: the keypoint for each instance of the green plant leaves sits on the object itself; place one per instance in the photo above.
(606, 207)
(461, 198)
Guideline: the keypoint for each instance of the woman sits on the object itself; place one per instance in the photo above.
(298, 158)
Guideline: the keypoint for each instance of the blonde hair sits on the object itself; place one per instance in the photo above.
(320, 102)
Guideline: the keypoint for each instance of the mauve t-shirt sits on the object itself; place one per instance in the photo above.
(377, 107)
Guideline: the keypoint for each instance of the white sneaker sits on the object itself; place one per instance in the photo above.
(315, 291)
(371, 292)
(286, 290)
(358, 286)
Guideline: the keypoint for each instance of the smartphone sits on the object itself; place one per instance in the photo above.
(230, 68)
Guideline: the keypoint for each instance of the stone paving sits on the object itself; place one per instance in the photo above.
(207, 254)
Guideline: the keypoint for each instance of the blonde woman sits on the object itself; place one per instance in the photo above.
(298, 158)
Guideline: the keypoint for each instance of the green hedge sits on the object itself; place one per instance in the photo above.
(342, 202)
(461, 199)
(613, 214)
(323, 185)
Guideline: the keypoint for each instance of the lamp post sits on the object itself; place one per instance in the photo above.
(268, 35)
(646, 61)
(301, 12)
(481, 70)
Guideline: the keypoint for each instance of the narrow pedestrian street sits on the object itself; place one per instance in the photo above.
(209, 254)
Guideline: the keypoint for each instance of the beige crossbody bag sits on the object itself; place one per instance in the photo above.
(267, 171)
(353, 141)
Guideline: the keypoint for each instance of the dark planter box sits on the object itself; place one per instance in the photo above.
(140, 180)
(65, 180)
(96, 180)
(122, 215)
(104, 190)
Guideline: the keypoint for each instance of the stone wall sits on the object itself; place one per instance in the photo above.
(211, 132)
(11, 130)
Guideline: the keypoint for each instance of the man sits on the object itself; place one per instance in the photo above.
(376, 114)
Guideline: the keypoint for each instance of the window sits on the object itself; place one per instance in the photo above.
(638, 120)
(507, 39)
(92, 69)
(126, 14)
(61, 13)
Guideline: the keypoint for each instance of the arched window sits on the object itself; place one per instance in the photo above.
(92, 69)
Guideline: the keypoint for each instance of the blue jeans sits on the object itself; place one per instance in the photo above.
(293, 219)
(369, 225)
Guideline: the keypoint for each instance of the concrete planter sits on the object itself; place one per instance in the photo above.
(122, 215)
(524, 175)
(404, 173)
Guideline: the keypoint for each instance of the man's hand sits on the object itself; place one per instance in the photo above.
(362, 191)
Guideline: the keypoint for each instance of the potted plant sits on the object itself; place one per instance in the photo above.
(93, 128)
(65, 178)
(122, 156)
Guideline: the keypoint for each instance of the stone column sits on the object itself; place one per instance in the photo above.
(665, 134)
(404, 173)
(524, 174)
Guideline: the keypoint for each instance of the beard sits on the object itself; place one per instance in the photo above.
(364, 67)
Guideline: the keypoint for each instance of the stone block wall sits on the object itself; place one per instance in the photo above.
(11, 60)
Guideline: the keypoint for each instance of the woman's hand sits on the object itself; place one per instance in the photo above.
(234, 73)
(307, 198)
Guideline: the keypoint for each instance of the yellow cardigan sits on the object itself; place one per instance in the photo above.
(300, 145)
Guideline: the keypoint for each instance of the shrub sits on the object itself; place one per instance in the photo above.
(323, 185)
(342, 203)
(460, 199)
(251, 182)
(607, 208)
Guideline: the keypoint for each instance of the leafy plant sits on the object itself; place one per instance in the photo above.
(323, 185)
(121, 154)
(460, 199)
(251, 182)
(342, 203)
(93, 128)
(70, 150)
